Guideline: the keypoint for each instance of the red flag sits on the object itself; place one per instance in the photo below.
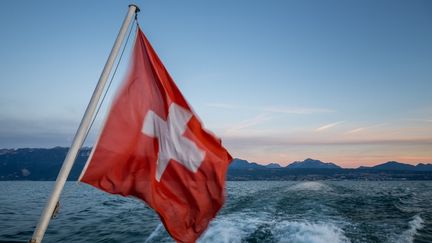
(154, 147)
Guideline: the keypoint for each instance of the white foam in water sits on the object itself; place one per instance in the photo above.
(414, 225)
(237, 227)
(310, 186)
(231, 228)
(154, 233)
(306, 232)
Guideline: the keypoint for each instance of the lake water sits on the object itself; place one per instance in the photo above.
(255, 211)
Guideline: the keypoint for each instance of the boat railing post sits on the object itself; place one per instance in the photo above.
(82, 130)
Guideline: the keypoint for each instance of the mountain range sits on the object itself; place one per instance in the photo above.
(44, 164)
(317, 164)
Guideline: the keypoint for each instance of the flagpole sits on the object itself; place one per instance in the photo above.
(82, 130)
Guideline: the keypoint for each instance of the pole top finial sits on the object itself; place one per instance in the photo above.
(137, 9)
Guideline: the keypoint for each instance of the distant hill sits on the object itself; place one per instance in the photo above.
(273, 166)
(244, 164)
(424, 167)
(394, 165)
(306, 164)
(38, 163)
(312, 164)
(44, 164)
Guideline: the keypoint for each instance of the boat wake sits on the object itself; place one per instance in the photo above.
(300, 232)
(154, 233)
(414, 225)
(310, 186)
(240, 227)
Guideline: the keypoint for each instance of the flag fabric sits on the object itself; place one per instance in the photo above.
(155, 148)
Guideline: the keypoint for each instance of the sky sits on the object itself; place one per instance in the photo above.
(348, 82)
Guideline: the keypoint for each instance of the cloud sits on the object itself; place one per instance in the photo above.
(261, 118)
(356, 130)
(351, 151)
(253, 141)
(31, 132)
(419, 120)
(328, 126)
(360, 129)
(272, 109)
(300, 110)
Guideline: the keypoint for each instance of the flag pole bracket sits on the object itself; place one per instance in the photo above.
(137, 9)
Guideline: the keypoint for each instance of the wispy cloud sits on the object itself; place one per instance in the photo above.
(254, 141)
(15, 132)
(272, 109)
(356, 130)
(361, 129)
(299, 110)
(328, 126)
(261, 118)
(419, 120)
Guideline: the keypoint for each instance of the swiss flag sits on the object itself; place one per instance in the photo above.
(154, 147)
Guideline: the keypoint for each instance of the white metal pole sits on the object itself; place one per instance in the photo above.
(82, 130)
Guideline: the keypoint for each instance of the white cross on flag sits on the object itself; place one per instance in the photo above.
(153, 147)
(172, 143)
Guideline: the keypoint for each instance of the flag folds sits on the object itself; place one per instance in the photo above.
(154, 147)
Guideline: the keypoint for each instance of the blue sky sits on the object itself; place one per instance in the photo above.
(342, 81)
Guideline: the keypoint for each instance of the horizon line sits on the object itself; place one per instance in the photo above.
(260, 163)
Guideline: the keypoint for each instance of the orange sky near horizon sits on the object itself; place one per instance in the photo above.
(330, 143)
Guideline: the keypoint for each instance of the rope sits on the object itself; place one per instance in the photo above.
(112, 78)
